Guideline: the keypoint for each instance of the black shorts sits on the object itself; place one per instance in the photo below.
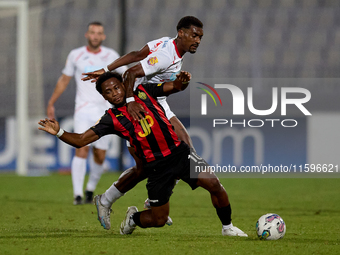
(164, 173)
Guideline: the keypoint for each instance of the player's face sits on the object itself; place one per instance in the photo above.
(113, 91)
(95, 36)
(191, 38)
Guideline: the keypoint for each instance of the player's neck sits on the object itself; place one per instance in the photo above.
(92, 49)
(179, 48)
(120, 105)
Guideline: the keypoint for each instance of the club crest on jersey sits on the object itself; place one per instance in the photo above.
(152, 61)
(141, 95)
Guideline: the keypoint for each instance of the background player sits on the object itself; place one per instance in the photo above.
(89, 107)
(156, 143)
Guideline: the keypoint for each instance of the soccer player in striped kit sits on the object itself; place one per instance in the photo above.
(164, 156)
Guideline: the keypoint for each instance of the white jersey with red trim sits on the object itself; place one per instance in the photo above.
(81, 60)
(163, 62)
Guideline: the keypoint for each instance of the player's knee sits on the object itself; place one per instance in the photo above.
(214, 185)
(135, 172)
(139, 172)
(99, 159)
(99, 156)
(82, 152)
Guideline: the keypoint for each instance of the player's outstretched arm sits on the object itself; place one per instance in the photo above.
(62, 84)
(133, 56)
(180, 84)
(76, 140)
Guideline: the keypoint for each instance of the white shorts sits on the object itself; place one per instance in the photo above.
(87, 116)
(169, 114)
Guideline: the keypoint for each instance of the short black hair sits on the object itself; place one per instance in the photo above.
(188, 21)
(104, 77)
(96, 23)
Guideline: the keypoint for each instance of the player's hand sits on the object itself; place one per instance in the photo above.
(184, 76)
(50, 111)
(49, 125)
(93, 76)
(182, 80)
(135, 109)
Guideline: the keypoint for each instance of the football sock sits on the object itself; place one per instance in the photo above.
(227, 226)
(224, 214)
(110, 196)
(96, 171)
(78, 171)
(135, 220)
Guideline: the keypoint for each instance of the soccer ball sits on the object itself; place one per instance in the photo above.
(270, 227)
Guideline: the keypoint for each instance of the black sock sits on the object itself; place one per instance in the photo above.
(224, 214)
(136, 219)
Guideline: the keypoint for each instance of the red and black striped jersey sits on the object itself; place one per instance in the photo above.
(152, 137)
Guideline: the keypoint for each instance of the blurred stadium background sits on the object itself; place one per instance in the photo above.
(242, 39)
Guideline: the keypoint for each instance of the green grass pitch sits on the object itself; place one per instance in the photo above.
(37, 217)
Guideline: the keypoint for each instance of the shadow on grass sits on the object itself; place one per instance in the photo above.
(58, 233)
(34, 201)
(37, 233)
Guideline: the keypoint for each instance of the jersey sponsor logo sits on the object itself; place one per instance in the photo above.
(119, 115)
(141, 95)
(165, 43)
(152, 61)
(146, 125)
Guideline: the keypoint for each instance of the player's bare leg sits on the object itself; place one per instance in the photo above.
(220, 201)
(157, 216)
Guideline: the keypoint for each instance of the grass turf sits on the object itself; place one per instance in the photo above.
(37, 217)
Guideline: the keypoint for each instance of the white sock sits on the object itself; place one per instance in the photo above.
(78, 171)
(110, 196)
(227, 226)
(96, 172)
(177, 181)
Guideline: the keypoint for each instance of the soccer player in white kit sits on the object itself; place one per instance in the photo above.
(89, 107)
